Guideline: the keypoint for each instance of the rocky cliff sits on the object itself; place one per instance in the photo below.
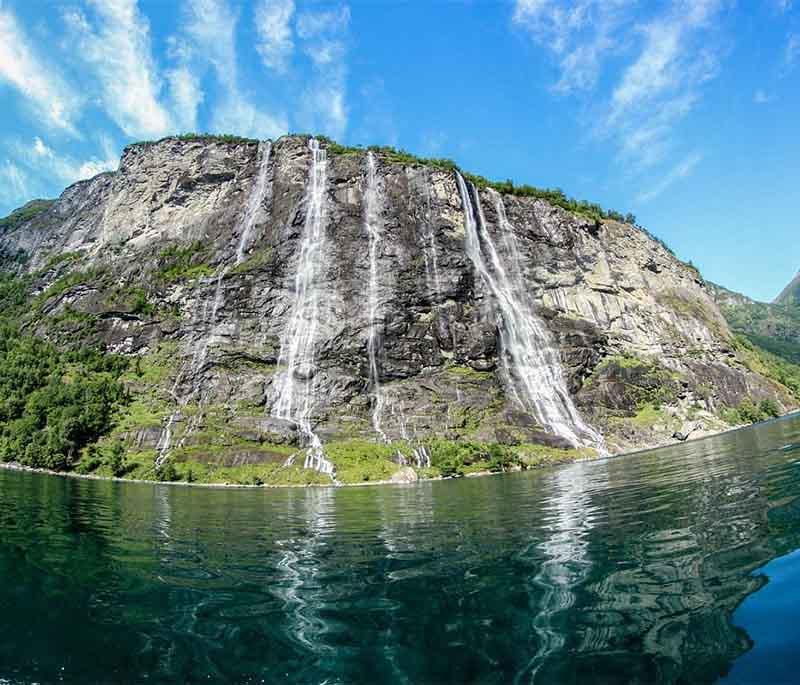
(279, 296)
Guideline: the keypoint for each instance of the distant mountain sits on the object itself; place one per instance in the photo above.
(773, 327)
(791, 293)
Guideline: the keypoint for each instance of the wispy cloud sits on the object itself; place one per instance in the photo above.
(662, 84)
(656, 65)
(186, 94)
(45, 161)
(324, 34)
(115, 43)
(679, 171)
(14, 184)
(38, 81)
(581, 34)
(275, 40)
(210, 27)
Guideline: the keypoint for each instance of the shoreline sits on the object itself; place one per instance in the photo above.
(16, 466)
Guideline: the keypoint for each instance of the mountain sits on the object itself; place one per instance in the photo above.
(283, 311)
(790, 295)
(773, 327)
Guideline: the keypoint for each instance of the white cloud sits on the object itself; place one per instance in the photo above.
(187, 95)
(679, 171)
(14, 184)
(581, 34)
(210, 27)
(275, 45)
(657, 65)
(118, 50)
(667, 61)
(37, 81)
(43, 159)
(313, 24)
(324, 101)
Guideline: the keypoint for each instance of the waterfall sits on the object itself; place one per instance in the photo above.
(372, 210)
(529, 358)
(293, 385)
(254, 201)
(429, 251)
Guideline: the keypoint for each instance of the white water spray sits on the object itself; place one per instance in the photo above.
(429, 252)
(372, 209)
(293, 385)
(254, 201)
(529, 356)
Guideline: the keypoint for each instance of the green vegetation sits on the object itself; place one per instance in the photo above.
(554, 196)
(361, 461)
(198, 137)
(25, 213)
(790, 295)
(254, 261)
(769, 365)
(638, 383)
(184, 262)
(357, 461)
(772, 327)
(65, 283)
(751, 412)
(54, 403)
(646, 416)
(61, 258)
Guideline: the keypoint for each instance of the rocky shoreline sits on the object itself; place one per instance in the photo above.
(15, 466)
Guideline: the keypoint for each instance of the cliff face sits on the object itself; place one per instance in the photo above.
(242, 274)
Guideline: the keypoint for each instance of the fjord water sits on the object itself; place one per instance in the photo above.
(624, 570)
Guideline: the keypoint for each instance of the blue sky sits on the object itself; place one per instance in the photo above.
(684, 112)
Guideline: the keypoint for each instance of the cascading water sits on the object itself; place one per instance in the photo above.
(530, 358)
(293, 386)
(372, 210)
(429, 252)
(255, 200)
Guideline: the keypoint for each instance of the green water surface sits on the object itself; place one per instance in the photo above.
(625, 570)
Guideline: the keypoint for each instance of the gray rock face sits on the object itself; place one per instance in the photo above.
(156, 247)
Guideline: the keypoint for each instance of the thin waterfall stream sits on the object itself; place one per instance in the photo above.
(372, 209)
(293, 387)
(255, 199)
(530, 360)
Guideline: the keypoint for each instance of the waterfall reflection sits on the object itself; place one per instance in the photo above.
(310, 522)
(563, 558)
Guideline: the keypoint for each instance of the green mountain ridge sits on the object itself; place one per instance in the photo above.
(790, 295)
(774, 327)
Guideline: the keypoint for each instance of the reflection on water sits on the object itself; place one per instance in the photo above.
(626, 570)
(568, 517)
